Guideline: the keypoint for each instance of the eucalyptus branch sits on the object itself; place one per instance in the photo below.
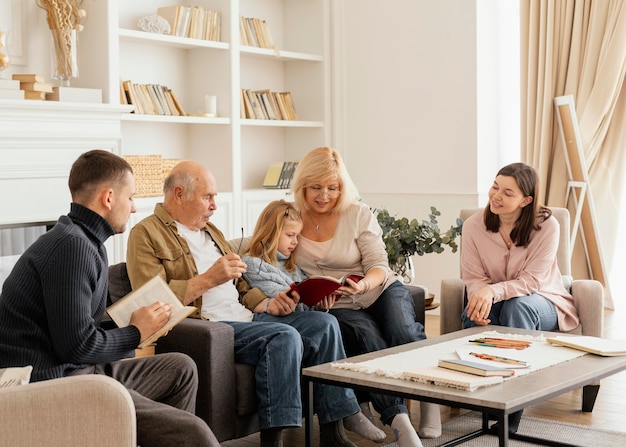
(404, 237)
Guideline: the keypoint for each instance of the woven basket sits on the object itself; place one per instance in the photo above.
(150, 172)
(168, 165)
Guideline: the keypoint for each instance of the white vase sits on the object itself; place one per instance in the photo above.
(65, 55)
(404, 268)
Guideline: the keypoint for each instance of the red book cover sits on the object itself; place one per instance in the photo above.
(312, 290)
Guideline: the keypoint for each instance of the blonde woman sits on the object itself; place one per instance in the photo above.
(341, 235)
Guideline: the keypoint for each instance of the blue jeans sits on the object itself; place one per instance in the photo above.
(389, 321)
(279, 347)
(532, 312)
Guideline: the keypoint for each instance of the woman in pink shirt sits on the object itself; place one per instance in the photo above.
(508, 261)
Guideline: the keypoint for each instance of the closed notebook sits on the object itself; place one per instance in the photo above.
(433, 375)
(478, 369)
(595, 345)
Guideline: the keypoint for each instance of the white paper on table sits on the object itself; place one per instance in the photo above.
(464, 354)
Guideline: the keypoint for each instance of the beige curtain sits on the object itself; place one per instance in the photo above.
(578, 48)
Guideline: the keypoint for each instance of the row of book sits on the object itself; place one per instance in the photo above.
(254, 32)
(150, 99)
(35, 86)
(280, 174)
(192, 21)
(267, 105)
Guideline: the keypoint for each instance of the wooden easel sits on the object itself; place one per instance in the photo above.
(578, 189)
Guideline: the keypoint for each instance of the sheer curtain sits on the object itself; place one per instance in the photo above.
(578, 48)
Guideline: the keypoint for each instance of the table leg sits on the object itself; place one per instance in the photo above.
(590, 392)
(503, 430)
(308, 413)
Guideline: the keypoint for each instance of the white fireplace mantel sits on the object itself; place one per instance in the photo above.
(39, 141)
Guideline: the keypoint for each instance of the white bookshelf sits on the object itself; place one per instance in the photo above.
(237, 151)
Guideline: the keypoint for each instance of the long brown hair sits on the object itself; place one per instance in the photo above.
(532, 214)
(264, 241)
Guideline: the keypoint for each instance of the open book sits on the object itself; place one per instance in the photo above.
(154, 290)
(312, 290)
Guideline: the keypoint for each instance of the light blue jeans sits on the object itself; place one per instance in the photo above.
(279, 347)
(389, 321)
(532, 312)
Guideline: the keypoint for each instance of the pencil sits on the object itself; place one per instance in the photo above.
(497, 358)
(501, 343)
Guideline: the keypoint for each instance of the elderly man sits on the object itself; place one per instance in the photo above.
(179, 243)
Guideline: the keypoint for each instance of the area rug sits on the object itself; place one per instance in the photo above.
(579, 435)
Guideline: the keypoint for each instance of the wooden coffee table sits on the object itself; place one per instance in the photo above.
(499, 400)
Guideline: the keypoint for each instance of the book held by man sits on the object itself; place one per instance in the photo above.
(313, 290)
(154, 290)
(478, 369)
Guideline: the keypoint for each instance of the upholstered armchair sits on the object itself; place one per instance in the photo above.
(226, 398)
(89, 410)
(588, 296)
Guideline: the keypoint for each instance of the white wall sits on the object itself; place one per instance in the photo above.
(420, 102)
(417, 112)
(29, 37)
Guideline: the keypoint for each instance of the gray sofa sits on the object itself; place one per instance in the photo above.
(226, 392)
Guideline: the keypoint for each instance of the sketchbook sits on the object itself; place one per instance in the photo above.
(312, 290)
(475, 368)
(595, 345)
(435, 375)
(154, 290)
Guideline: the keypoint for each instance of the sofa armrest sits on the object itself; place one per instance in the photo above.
(452, 302)
(589, 301)
(418, 293)
(211, 345)
(96, 411)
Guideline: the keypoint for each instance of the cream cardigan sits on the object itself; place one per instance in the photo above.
(356, 247)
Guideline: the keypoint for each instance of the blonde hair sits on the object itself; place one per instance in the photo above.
(323, 165)
(264, 241)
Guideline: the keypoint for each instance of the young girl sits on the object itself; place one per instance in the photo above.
(271, 268)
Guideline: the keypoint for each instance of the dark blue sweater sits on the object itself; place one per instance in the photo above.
(53, 301)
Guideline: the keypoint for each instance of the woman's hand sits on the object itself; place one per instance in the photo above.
(353, 288)
(479, 306)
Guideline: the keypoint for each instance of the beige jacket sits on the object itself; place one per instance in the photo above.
(155, 248)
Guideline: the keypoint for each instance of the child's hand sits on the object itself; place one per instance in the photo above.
(283, 304)
(327, 302)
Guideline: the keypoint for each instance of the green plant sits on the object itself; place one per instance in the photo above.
(404, 237)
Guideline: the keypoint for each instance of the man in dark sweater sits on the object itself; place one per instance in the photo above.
(53, 301)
